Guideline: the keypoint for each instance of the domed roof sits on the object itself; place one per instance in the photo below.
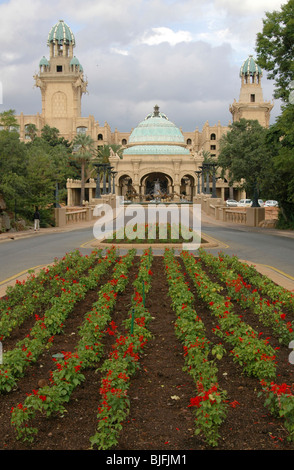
(61, 33)
(249, 67)
(43, 61)
(156, 135)
(74, 61)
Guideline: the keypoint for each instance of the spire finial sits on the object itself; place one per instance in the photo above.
(156, 110)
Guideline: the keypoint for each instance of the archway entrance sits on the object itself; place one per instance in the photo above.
(156, 184)
(124, 184)
(187, 187)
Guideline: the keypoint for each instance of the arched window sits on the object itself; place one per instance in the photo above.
(100, 137)
(189, 141)
(124, 142)
(82, 130)
(212, 137)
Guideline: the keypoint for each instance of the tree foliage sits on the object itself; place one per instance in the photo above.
(280, 181)
(8, 120)
(83, 151)
(275, 48)
(12, 167)
(103, 153)
(275, 52)
(30, 171)
(244, 157)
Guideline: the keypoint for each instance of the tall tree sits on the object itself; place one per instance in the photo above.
(275, 48)
(83, 150)
(8, 120)
(58, 157)
(275, 52)
(31, 131)
(50, 134)
(280, 182)
(104, 152)
(13, 162)
(244, 155)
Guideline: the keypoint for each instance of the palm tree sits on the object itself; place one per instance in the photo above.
(103, 153)
(31, 131)
(83, 149)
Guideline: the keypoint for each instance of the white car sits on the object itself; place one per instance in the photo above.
(244, 203)
(231, 203)
(271, 203)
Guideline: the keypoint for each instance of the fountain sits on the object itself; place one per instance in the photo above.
(156, 191)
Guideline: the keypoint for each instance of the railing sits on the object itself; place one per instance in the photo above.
(235, 216)
(76, 216)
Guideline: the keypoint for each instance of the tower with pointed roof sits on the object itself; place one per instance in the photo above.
(251, 104)
(61, 80)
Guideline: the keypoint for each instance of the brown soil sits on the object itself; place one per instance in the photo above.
(160, 392)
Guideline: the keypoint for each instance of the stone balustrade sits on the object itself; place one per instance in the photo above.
(216, 208)
(235, 216)
(74, 214)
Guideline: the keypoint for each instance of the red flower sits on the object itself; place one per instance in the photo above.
(195, 401)
(138, 297)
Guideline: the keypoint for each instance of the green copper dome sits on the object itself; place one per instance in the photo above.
(156, 135)
(74, 61)
(61, 33)
(43, 61)
(250, 67)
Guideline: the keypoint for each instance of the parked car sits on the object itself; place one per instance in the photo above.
(244, 203)
(271, 203)
(231, 203)
(260, 202)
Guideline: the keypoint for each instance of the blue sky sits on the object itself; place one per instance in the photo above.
(184, 55)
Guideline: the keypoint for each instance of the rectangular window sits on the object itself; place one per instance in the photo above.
(252, 98)
(58, 68)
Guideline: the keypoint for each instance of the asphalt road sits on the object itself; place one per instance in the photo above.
(256, 246)
(22, 254)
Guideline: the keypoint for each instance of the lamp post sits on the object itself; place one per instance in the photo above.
(205, 166)
(104, 169)
(213, 180)
(109, 168)
(202, 178)
(113, 173)
(198, 173)
(98, 192)
(56, 204)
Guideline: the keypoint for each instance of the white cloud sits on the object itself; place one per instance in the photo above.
(163, 34)
(184, 55)
(115, 50)
(249, 6)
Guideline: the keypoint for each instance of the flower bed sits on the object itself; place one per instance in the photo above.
(162, 233)
(209, 402)
(89, 332)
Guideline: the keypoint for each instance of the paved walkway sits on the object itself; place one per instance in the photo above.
(275, 275)
(272, 231)
(45, 231)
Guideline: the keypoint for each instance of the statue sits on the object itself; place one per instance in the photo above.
(156, 191)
